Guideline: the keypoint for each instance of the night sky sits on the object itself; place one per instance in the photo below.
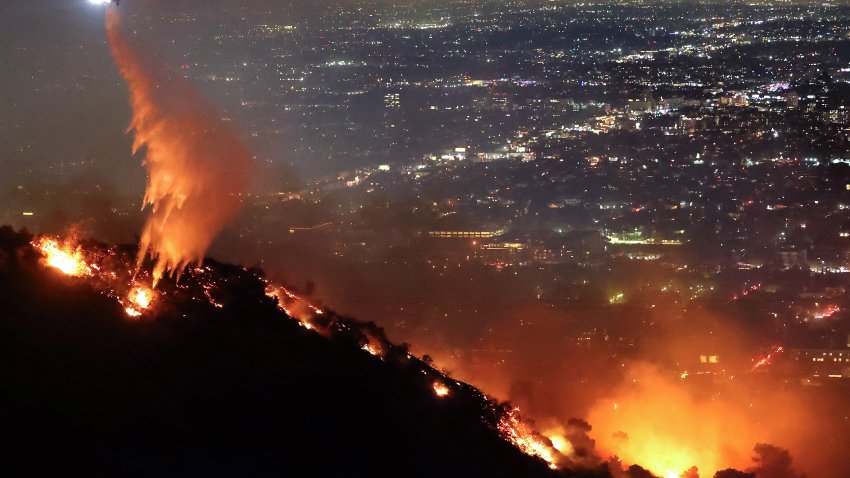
(62, 100)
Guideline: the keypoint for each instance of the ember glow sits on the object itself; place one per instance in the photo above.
(767, 359)
(63, 256)
(197, 167)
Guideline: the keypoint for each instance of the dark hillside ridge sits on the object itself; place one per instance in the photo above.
(231, 391)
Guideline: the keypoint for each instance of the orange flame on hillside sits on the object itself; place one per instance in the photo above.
(441, 390)
(197, 167)
(63, 256)
(294, 306)
(560, 442)
(514, 429)
(139, 300)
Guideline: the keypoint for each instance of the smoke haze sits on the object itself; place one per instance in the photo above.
(661, 421)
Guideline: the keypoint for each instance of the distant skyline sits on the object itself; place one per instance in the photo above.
(63, 100)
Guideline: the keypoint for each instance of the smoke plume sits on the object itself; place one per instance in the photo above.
(197, 167)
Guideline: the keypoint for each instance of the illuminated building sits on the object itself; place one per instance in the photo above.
(824, 363)
(465, 234)
(503, 254)
(392, 101)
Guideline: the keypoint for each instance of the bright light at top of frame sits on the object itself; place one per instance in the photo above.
(100, 2)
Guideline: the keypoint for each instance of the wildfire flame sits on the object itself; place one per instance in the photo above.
(373, 348)
(560, 443)
(139, 300)
(141, 297)
(515, 430)
(294, 306)
(197, 167)
(653, 420)
(72, 261)
(64, 257)
(441, 389)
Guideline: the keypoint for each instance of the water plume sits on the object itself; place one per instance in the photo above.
(197, 167)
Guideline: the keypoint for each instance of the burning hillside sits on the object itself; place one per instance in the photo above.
(212, 373)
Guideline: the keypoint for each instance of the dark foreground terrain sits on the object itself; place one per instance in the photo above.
(204, 391)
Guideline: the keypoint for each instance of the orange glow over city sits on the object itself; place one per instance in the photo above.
(655, 421)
